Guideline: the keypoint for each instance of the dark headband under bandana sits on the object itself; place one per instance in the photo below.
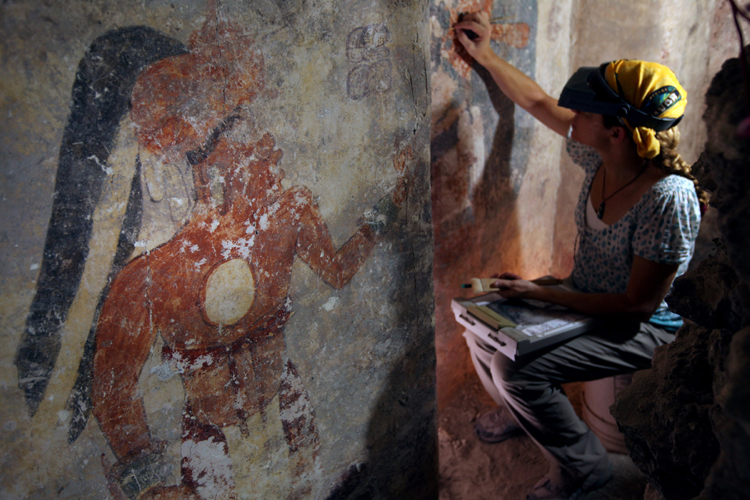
(646, 97)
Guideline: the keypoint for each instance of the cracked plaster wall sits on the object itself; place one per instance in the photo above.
(216, 103)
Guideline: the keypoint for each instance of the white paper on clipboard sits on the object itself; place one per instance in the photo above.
(536, 324)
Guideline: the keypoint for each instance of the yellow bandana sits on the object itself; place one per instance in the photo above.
(653, 89)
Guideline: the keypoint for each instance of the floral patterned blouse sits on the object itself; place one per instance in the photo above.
(661, 227)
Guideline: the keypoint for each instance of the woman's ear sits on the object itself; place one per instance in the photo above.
(618, 134)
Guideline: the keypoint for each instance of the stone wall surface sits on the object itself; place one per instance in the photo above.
(217, 250)
(504, 191)
(494, 169)
(687, 420)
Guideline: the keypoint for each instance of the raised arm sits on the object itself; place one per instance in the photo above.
(519, 88)
(315, 247)
(314, 244)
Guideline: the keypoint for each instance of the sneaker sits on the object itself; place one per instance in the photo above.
(496, 426)
(561, 486)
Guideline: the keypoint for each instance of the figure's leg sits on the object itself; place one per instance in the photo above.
(260, 455)
(206, 464)
(179, 492)
(206, 467)
(298, 420)
(531, 389)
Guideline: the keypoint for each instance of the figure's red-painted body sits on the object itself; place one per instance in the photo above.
(230, 371)
(232, 364)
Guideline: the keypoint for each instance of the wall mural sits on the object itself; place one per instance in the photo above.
(366, 48)
(480, 147)
(215, 293)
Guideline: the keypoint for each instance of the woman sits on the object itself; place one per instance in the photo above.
(637, 219)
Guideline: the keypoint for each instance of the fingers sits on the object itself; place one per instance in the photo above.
(508, 288)
(471, 25)
(480, 17)
(465, 41)
(471, 32)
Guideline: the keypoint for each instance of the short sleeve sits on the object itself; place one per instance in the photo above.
(583, 156)
(668, 223)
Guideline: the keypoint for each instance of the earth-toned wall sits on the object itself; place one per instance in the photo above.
(494, 171)
(504, 191)
(217, 250)
(686, 420)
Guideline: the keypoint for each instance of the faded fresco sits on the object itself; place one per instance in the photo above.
(480, 149)
(162, 340)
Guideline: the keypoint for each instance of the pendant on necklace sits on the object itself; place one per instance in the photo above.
(600, 212)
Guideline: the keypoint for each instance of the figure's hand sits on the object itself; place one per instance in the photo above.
(473, 32)
(385, 212)
(403, 183)
(129, 479)
(511, 285)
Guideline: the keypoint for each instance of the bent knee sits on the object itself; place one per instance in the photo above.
(506, 370)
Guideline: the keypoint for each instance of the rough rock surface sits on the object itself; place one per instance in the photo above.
(687, 420)
(471, 469)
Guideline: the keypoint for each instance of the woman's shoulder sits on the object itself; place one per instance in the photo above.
(672, 197)
(674, 183)
(673, 189)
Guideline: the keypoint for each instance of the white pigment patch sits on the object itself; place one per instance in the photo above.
(242, 245)
(331, 304)
(211, 467)
(263, 222)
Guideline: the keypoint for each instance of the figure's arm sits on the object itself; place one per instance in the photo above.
(519, 88)
(123, 341)
(648, 285)
(315, 246)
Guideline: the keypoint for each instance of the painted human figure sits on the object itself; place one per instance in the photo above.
(217, 293)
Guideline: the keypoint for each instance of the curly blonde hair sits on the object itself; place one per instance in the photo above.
(668, 158)
(671, 161)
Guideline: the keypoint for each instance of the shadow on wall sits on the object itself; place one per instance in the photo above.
(468, 212)
(401, 441)
(402, 459)
(478, 162)
(473, 217)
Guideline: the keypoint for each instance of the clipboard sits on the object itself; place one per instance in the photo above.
(517, 327)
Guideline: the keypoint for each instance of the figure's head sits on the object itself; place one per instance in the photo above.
(178, 102)
(643, 97)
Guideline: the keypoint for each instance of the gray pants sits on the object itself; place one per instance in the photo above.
(530, 387)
